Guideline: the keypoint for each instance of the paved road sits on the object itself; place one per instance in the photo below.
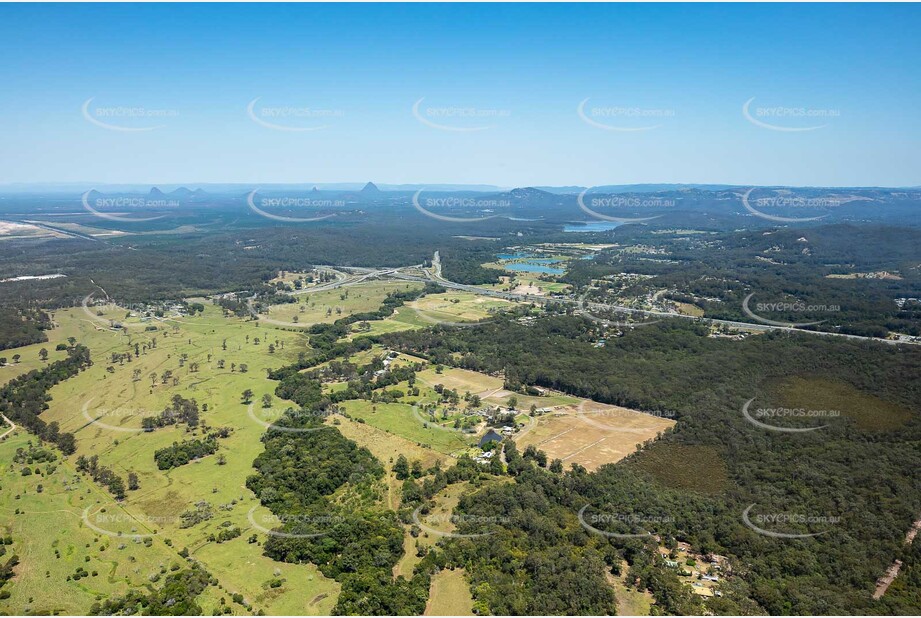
(434, 275)
(63, 231)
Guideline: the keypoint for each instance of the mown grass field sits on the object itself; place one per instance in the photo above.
(401, 420)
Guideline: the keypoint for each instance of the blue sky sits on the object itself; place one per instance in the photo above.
(501, 88)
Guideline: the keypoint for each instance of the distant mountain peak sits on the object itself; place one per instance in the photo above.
(156, 193)
(523, 193)
(370, 188)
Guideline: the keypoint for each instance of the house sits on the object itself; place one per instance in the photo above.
(484, 458)
(490, 436)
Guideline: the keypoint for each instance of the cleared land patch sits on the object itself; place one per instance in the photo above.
(457, 306)
(449, 595)
(402, 420)
(330, 305)
(591, 434)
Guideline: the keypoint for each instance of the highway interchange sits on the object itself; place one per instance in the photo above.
(349, 276)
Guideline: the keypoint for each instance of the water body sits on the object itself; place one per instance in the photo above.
(528, 263)
(590, 226)
(531, 267)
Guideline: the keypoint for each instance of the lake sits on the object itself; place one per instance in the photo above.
(533, 267)
(590, 226)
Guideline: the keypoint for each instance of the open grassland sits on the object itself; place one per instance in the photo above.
(630, 601)
(402, 420)
(330, 305)
(403, 318)
(841, 400)
(685, 467)
(592, 434)
(490, 388)
(449, 595)
(52, 542)
(457, 307)
(76, 323)
(386, 447)
(103, 407)
(574, 430)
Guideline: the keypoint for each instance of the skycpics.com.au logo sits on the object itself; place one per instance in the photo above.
(466, 203)
(93, 206)
(251, 307)
(435, 523)
(430, 421)
(626, 202)
(620, 418)
(591, 521)
(788, 119)
(287, 420)
(107, 417)
(457, 119)
(294, 526)
(290, 203)
(590, 311)
(623, 119)
(759, 417)
(785, 203)
(785, 307)
(127, 119)
(294, 119)
(110, 524)
(757, 522)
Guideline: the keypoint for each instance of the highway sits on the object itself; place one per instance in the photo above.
(433, 275)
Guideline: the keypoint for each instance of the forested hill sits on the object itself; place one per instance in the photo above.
(856, 478)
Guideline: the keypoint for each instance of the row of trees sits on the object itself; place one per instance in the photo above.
(24, 398)
(180, 453)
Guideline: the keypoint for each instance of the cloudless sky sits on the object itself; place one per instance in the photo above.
(522, 70)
